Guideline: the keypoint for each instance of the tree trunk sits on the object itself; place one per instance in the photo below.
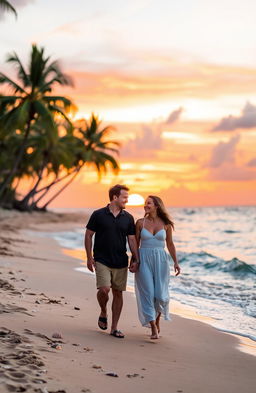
(57, 180)
(62, 189)
(47, 188)
(24, 203)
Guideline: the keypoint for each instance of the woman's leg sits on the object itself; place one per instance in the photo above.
(161, 288)
(144, 288)
(154, 331)
(158, 322)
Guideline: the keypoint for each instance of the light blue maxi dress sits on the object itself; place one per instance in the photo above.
(152, 278)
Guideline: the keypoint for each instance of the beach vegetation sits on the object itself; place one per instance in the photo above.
(38, 141)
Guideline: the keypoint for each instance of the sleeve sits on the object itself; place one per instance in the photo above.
(131, 228)
(92, 223)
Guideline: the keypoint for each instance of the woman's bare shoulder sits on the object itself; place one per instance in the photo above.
(168, 227)
(139, 222)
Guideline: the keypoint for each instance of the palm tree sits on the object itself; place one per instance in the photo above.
(31, 100)
(59, 159)
(49, 155)
(6, 6)
(92, 148)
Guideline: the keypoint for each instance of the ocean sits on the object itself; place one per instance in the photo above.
(216, 248)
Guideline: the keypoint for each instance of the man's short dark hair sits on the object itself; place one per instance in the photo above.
(116, 190)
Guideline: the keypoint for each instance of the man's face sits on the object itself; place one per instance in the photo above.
(122, 199)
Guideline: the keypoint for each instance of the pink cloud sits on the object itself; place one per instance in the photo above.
(149, 139)
(223, 166)
(246, 120)
(223, 152)
(252, 163)
(174, 116)
(229, 172)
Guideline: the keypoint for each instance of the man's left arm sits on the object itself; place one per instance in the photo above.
(134, 265)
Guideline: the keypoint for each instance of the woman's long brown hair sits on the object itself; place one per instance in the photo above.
(161, 210)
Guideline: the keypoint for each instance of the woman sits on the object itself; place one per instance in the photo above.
(152, 279)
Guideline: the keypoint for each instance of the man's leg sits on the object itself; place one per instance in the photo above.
(117, 306)
(103, 282)
(118, 281)
(102, 296)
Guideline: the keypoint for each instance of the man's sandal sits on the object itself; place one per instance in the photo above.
(117, 334)
(103, 323)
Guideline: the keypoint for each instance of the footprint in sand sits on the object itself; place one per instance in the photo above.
(6, 286)
(16, 376)
(33, 367)
(38, 381)
(17, 387)
(21, 369)
(8, 308)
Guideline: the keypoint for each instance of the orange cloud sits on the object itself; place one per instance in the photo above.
(223, 194)
(119, 88)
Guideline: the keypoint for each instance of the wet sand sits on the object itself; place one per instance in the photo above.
(50, 342)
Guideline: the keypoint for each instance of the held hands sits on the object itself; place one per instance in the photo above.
(176, 268)
(134, 267)
(91, 264)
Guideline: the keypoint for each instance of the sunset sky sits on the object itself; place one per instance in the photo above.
(176, 78)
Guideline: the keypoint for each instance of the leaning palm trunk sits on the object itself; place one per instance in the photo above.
(24, 203)
(62, 189)
(47, 188)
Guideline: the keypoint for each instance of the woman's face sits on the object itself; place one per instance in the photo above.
(149, 206)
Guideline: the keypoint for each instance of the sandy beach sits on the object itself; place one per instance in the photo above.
(50, 341)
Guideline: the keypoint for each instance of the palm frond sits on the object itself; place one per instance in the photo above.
(58, 76)
(12, 99)
(67, 103)
(6, 6)
(108, 159)
(36, 66)
(56, 109)
(107, 130)
(17, 89)
(13, 58)
(45, 114)
(47, 87)
(15, 118)
(7, 103)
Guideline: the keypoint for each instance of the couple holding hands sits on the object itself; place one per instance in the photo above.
(112, 227)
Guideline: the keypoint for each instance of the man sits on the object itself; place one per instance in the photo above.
(112, 226)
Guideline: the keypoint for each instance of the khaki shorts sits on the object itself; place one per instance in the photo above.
(110, 277)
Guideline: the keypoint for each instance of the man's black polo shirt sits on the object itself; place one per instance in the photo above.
(110, 237)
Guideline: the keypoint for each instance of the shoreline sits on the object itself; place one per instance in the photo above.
(44, 295)
(246, 344)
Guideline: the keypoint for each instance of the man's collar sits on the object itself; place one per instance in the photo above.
(108, 211)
